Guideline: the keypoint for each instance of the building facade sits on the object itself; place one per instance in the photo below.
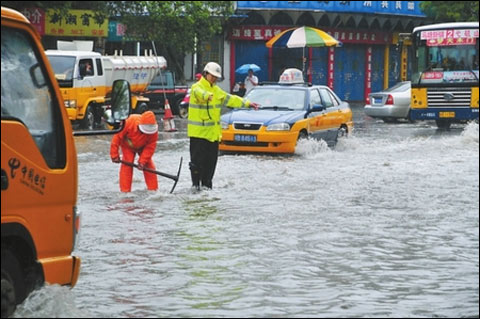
(369, 59)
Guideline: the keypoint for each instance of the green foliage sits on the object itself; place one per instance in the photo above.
(177, 26)
(451, 11)
(174, 23)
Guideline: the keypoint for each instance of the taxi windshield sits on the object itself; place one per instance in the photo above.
(278, 98)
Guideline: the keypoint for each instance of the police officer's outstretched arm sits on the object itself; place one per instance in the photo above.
(231, 100)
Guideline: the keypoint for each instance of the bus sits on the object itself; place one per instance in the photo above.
(445, 73)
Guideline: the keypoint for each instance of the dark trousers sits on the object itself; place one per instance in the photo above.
(203, 161)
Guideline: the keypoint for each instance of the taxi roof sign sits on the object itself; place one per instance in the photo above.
(291, 76)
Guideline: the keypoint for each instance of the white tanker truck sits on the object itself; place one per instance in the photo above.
(85, 79)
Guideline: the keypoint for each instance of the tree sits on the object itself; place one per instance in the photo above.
(177, 26)
(451, 11)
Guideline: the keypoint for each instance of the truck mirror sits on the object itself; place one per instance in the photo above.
(121, 101)
(117, 112)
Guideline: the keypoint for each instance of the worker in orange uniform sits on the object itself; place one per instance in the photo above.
(138, 137)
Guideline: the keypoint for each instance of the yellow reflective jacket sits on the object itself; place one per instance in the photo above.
(204, 115)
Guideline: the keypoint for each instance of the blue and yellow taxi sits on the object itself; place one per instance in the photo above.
(288, 111)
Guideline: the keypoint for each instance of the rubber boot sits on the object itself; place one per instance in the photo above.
(195, 173)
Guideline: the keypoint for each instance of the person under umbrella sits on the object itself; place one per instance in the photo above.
(251, 81)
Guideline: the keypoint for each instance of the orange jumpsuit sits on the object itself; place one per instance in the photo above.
(133, 141)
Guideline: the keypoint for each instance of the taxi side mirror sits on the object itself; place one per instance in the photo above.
(317, 108)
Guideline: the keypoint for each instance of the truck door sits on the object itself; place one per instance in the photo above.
(38, 157)
(89, 82)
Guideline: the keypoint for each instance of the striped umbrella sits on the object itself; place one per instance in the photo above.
(302, 37)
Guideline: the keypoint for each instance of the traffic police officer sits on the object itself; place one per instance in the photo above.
(204, 129)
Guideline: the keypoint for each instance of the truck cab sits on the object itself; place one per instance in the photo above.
(86, 77)
(39, 175)
(82, 83)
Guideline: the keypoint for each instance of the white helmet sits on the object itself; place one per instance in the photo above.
(214, 69)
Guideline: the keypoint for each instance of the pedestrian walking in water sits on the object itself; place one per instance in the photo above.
(138, 137)
(204, 129)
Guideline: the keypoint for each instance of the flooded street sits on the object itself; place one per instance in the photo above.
(384, 225)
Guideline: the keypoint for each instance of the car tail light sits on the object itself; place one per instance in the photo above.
(368, 100)
(389, 99)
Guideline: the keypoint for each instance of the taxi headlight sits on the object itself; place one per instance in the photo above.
(70, 103)
(279, 127)
(224, 125)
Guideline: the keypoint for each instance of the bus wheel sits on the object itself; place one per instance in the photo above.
(13, 287)
(443, 124)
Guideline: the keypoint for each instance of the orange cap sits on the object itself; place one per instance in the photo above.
(148, 123)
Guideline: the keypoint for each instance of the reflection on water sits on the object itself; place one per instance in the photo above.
(384, 225)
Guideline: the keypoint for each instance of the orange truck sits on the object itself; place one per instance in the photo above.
(40, 220)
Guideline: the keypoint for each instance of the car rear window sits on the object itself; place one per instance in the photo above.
(399, 87)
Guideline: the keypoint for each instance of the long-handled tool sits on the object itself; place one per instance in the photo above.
(174, 177)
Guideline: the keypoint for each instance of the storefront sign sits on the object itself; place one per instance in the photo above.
(409, 8)
(368, 72)
(265, 33)
(331, 67)
(116, 31)
(36, 16)
(76, 23)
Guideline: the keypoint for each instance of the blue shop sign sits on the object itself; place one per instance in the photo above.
(404, 8)
(116, 31)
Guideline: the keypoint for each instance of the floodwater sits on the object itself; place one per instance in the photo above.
(384, 225)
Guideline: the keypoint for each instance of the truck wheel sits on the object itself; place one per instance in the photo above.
(183, 111)
(88, 121)
(141, 108)
(176, 107)
(13, 286)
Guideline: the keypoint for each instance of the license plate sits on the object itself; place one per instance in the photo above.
(377, 101)
(446, 114)
(245, 138)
